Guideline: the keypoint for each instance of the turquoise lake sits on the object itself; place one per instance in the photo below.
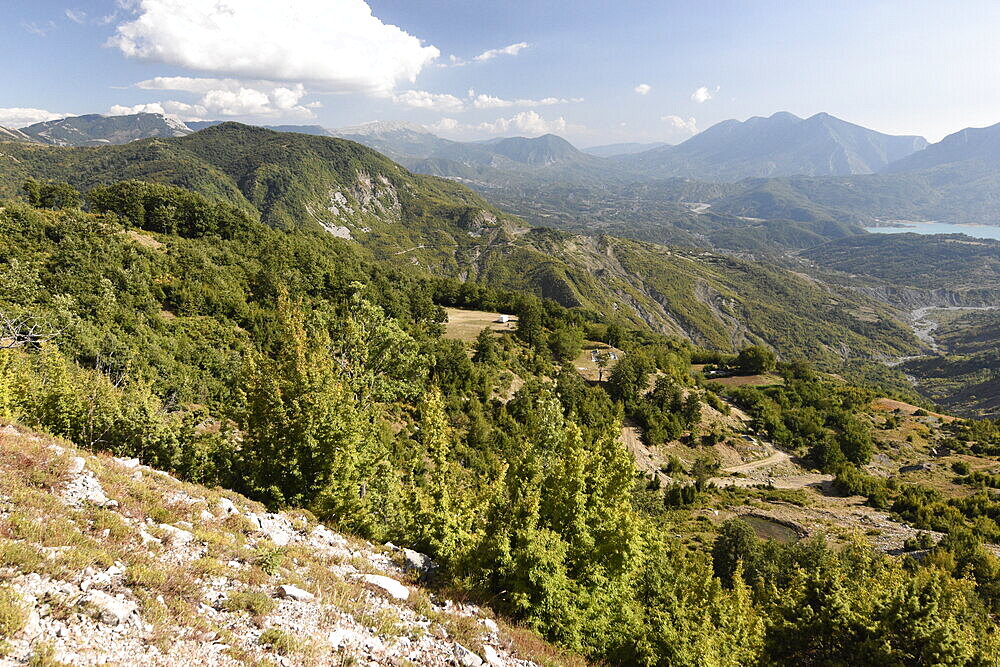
(978, 231)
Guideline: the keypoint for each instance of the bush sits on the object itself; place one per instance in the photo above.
(279, 641)
(12, 614)
(256, 604)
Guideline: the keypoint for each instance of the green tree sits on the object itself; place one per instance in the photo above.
(565, 343)
(736, 543)
(756, 359)
(485, 348)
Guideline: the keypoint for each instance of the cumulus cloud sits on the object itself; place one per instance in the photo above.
(528, 122)
(421, 99)
(337, 45)
(482, 101)
(18, 117)
(524, 122)
(643, 88)
(689, 126)
(509, 50)
(225, 97)
(172, 108)
(703, 94)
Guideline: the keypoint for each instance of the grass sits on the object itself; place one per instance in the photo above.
(41, 534)
(586, 366)
(765, 380)
(465, 325)
(279, 641)
(12, 613)
(254, 603)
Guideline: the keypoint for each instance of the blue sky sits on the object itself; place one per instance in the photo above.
(595, 72)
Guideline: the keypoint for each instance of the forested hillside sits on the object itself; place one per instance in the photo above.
(289, 366)
(296, 180)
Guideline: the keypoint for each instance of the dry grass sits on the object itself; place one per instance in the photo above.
(764, 380)
(465, 325)
(890, 405)
(585, 365)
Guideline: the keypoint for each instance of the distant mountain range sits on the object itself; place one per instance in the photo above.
(97, 130)
(819, 169)
(295, 180)
(779, 145)
(614, 150)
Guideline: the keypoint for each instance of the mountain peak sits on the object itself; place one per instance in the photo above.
(99, 130)
(782, 144)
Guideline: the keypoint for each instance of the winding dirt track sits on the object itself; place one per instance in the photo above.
(774, 459)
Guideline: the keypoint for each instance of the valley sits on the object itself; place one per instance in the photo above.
(592, 402)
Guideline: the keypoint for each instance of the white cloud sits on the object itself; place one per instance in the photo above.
(528, 122)
(421, 99)
(225, 97)
(444, 102)
(338, 45)
(175, 109)
(643, 88)
(509, 50)
(18, 117)
(689, 126)
(482, 101)
(38, 29)
(76, 15)
(703, 94)
(523, 123)
(445, 125)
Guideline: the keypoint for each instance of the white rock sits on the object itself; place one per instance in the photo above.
(129, 463)
(205, 515)
(387, 584)
(417, 562)
(113, 611)
(491, 656)
(342, 637)
(227, 506)
(294, 593)
(323, 536)
(147, 538)
(84, 487)
(467, 658)
(490, 625)
(177, 535)
(33, 625)
(77, 465)
(277, 528)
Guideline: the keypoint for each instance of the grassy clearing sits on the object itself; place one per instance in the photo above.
(465, 325)
(764, 380)
(587, 367)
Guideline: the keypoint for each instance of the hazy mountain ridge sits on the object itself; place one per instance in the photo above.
(626, 148)
(96, 130)
(10, 134)
(445, 229)
(780, 145)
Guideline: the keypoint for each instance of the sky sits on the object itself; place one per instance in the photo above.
(593, 71)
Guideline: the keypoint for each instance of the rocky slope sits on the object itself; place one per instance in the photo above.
(106, 561)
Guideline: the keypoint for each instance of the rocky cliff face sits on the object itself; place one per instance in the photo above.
(106, 561)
